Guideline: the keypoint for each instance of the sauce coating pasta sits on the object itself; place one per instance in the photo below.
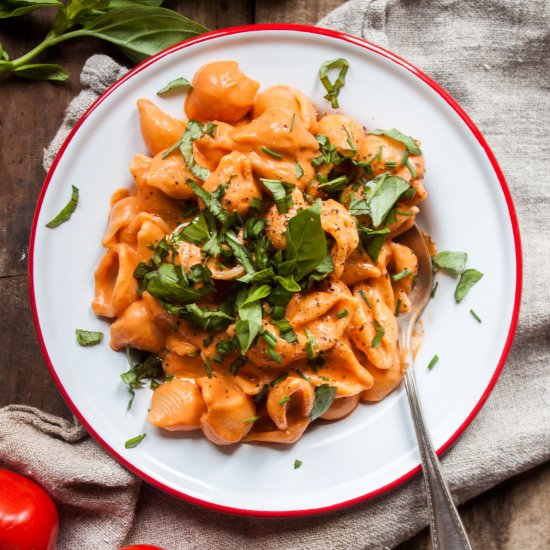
(253, 262)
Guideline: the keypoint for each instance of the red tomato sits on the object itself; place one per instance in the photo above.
(142, 547)
(28, 516)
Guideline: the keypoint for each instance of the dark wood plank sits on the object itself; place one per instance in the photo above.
(303, 12)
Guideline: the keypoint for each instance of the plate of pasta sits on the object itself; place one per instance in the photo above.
(218, 301)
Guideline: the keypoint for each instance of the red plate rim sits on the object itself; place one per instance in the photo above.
(456, 107)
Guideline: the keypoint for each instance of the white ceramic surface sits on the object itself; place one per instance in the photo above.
(342, 461)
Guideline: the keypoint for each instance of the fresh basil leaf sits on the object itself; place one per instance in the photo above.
(408, 141)
(249, 324)
(282, 193)
(88, 337)
(141, 31)
(175, 86)
(467, 280)
(42, 71)
(135, 441)
(455, 262)
(324, 396)
(323, 269)
(254, 227)
(374, 246)
(286, 332)
(334, 185)
(297, 464)
(305, 240)
(166, 284)
(212, 321)
(15, 8)
(197, 232)
(66, 212)
(288, 283)
(77, 9)
(359, 207)
(298, 170)
(333, 88)
(385, 190)
(264, 276)
(279, 299)
(250, 316)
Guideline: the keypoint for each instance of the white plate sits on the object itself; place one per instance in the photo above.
(469, 208)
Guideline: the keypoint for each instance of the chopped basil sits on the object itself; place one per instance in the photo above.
(377, 340)
(208, 367)
(455, 262)
(67, 210)
(261, 394)
(341, 314)
(288, 283)
(311, 345)
(292, 121)
(207, 341)
(197, 231)
(364, 296)
(212, 321)
(398, 307)
(302, 375)
(333, 88)
(434, 290)
(251, 420)
(180, 84)
(282, 193)
(275, 356)
(148, 367)
(212, 203)
(88, 337)
(297, 464)
(334, 185)
(286, 332)
(271, 153)
(193, 131)
(279, 379)
(240, 252)
(269, 338)
(467, 280)
(476, 316)
(168, 282)
(306, 242)
(408, 141)
(298, 169)
(284, 400)
(324, 396)
(257, 204)
(401, 275)
(237, 364)
(433, 362)
(135, 441)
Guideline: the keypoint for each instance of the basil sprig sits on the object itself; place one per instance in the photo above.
(324, 396)
(140, 28)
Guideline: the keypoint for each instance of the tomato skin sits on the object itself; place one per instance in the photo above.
(28, 516)
(141, 547)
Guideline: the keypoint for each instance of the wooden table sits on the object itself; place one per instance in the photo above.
(507, 517)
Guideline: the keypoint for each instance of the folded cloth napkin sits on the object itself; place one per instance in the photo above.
(494, 58)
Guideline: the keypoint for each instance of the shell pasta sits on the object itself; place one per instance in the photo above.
(251, 272)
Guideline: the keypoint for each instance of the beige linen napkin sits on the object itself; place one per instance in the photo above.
(494, 58)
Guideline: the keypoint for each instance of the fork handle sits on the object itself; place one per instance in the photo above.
(446, 527)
